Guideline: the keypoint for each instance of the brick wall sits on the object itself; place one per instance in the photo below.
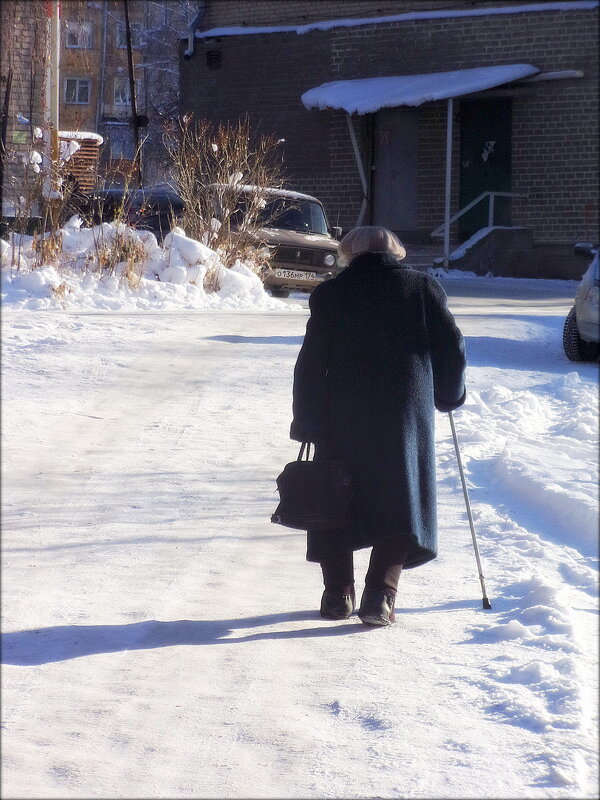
(555, 123)
(24, 31)
(264, 76)
(222, 13)
(555, 162)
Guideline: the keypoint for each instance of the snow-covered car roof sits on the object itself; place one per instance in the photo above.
(275, 192)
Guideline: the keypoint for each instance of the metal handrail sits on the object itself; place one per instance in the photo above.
(439, 231)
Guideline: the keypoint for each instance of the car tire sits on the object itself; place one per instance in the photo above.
(277, 292)
(576, 348)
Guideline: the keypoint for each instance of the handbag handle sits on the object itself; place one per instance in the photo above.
(304, 446)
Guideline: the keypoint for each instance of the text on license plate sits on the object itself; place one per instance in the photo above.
(296, 274)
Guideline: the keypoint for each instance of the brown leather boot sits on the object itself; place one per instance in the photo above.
(337, 606)
(377, 607)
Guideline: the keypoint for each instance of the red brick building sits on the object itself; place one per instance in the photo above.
(527, 134)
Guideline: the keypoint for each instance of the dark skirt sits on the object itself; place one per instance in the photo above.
(324, 544)
(363, 532)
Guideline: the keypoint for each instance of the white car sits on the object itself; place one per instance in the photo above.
(581, 332)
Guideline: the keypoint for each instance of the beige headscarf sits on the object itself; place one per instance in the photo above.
(370, 239)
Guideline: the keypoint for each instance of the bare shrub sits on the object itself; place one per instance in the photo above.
(221, 173)
(48, 247)
(117, 251)
(22, 193)
(41, 196)
(45, 197)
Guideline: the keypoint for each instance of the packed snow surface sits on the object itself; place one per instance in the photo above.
(161, 637)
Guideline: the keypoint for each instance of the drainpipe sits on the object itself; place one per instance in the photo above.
(193, 28)
(100, 103)
(134, 115)
(53, 90)
(448, 182)
(52, 94)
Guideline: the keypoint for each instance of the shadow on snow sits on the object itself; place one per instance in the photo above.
(63, 642)
(230, 339)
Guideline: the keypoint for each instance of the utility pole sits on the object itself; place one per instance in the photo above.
(3, 151)
(52, 102)
(54, 81)
(134, 115)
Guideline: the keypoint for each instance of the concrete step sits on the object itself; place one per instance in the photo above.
(421, 256)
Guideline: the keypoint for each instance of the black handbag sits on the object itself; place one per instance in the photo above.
(313, 495)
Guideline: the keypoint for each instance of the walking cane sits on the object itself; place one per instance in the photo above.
(486, 602)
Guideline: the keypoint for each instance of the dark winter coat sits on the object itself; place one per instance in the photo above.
(381, 351)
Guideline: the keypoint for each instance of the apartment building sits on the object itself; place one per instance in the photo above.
(94, 75)
(96, 82)
(95, 86)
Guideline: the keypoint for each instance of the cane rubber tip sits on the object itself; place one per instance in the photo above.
(486, 603)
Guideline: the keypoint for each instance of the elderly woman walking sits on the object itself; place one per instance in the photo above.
(381, 351)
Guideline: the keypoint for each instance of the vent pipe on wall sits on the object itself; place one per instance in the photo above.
(193, 28)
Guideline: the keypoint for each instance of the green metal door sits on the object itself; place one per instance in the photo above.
(485, 161)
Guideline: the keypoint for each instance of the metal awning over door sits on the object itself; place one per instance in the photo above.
(369, 95)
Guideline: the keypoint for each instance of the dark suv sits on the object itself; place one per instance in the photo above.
(151, 208)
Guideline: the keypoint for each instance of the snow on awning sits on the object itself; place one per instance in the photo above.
(367, 95)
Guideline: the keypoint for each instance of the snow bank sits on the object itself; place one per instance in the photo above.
(167, 277)
(240, 282)
(460, 251)
(530, 448)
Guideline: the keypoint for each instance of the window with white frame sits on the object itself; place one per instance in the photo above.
(137, 39)
(78, 90)
(121, 94)
(79, 35)
(121, 90)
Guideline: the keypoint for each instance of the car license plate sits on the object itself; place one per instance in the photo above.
(295, 274)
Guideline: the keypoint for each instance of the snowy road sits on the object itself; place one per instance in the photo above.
(160, 636)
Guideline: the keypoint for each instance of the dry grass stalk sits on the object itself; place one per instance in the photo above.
(62, 290)
(48, 248)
